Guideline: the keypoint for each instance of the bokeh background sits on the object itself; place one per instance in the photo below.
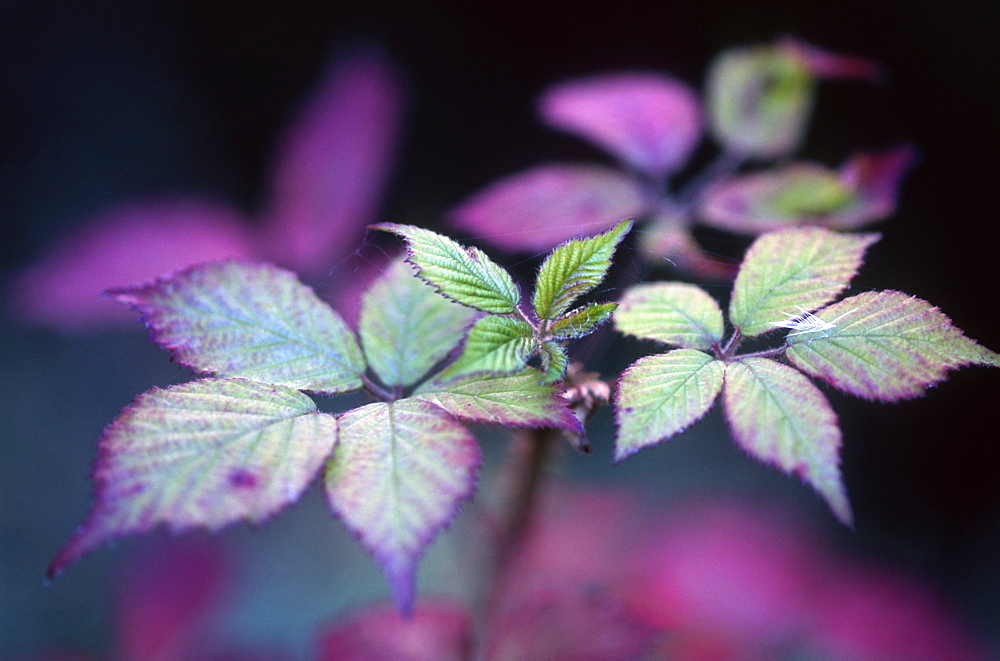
(111, 101)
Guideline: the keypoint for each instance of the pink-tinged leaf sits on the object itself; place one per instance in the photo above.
(541, 207)
(884, 346)
(436, 631)
(668, 238)
(660, 396)
(875, 177)
(247, 320)
(333, 163)
(673, 313)
(202, 454)
(778, 416)
(826, 64)
(397, 477)
(127, 244)
(784, 273)
(516, 400)
(648, 120)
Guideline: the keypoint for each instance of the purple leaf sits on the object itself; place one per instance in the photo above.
(875, 177)
(648, 120)
(332, 164)
(399, 473)
(250, 320)
(826, 64)
(545, 205)
(778, 416)
(668, 238)
(202, 454)
(127, 244)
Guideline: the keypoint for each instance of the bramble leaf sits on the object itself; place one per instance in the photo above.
(671, 312)
(582, 321)
(202, 454)
(662, 395)
(396, 478)
(257, 321)
(885, 346)
(554, 361)
(406, 326)
(573, 269)
(466, 275)
(518, 400)
(498, 345)
(778, 416)
(796, 268)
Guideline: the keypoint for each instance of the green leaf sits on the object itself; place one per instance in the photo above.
(573, 269)
(554, 361)
(397, 478)
(498, 345)
(671, 312)
(518, 400)
(792, 270)
(406, 326)
(884, 346)
(582, 321)
(256, 321)
(202, 454)
(660, 396)
(778, 416)
(466, 275)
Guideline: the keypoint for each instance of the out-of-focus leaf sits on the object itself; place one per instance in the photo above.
(573, 269)
(876, 178)
(498, 345)
(826, 64)
(332, 163)
(202, 454)
(582, 321)
(648, 120)
(671, 312)
(250, 320)
(885, 346)
(396, 478)
(554, 361)
(778, 416)
(406, 327)
(515, 400)
(667, 238)
(466, 275)
(792, 269)
(127, 244)
(659, 396)
(537, 208)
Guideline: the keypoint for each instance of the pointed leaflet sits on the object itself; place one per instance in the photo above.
(538, 208)
(515, 400)
(778, 416)
(406, 326)
(671, 312)
(250, 320)
(397, 477)
(659, 396)
(798, 268)
(495, 344)
(464, 274)
(202, 454)
(581, 321)
(649, 121)
(886, 346)
(573, 269)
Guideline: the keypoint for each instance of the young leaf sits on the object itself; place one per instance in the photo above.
(797, 268)
(515, 400)
(573, 269)
(671, 312)
(257, 321)
(397, 477)
(466, 275)
(582, 321)
(498, 345)
(202, 454)
(406, 327)
(662, 395)
(885, 346)
(554, 361)
(778, 416)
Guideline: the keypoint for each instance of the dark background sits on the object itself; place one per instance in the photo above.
(108, 101)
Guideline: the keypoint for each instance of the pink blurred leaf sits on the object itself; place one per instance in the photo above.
(669, 238)
(876, 178)
(827, 64)
(545, 205)
(648, 120)
(332, 164)
(123, 246)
